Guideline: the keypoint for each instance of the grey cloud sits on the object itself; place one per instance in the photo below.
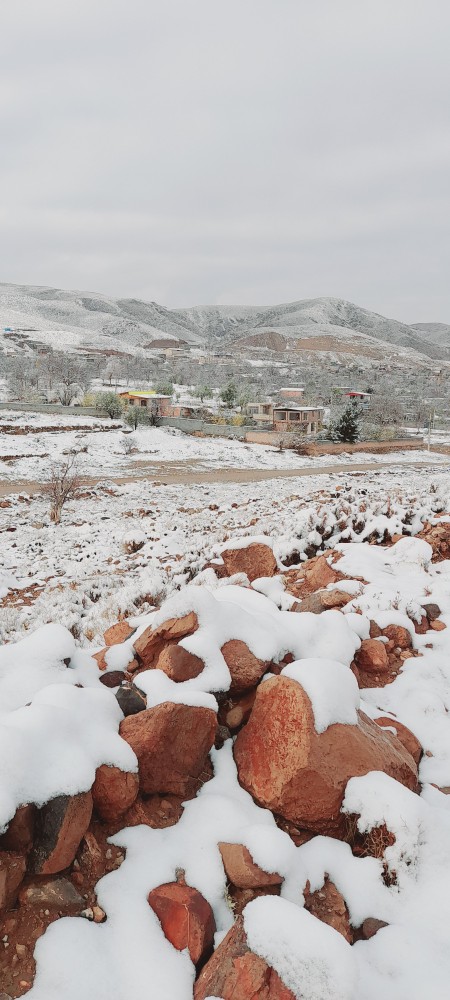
(254, 151)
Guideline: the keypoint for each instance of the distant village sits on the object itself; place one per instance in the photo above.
(267, 390)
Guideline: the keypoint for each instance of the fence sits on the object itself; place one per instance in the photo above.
(82, 411)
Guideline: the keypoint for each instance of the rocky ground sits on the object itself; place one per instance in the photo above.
(242, 791)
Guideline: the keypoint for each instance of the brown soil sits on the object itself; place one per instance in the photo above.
(174, 474)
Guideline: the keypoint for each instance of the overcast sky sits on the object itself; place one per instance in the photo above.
(229, 151)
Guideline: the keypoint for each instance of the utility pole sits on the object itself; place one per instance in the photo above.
(430, 423)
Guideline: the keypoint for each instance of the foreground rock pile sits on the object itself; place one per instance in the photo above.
(233, 729)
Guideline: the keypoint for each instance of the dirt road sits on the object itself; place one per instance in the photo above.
(173, 474)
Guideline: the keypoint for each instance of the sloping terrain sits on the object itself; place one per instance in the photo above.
(241, 792)
(31, 314)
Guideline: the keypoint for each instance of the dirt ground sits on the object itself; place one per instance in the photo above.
(183, 474)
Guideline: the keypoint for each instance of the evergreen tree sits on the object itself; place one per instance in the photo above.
(347, 428)
(229, 395)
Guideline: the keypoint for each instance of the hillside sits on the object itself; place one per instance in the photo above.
(83, 319)
(234, 783)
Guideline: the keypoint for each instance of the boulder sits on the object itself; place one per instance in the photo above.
(119, 632)
(178, 663)
(372, 657)
(242, 871)
(406, 737)
(245, 668)
(255, 560)
(60, 827)
(172, 743)
(236, 973)
(323, 600)
(432, 611)
(131, 699)
(401, 637)
(113, 791)
(112, 678)
(12, 872)
(151, 643)
(328, 905)
(313, 575)
(300, 774)
(19, 835)
(186, 919)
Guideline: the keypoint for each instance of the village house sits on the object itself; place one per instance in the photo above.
(306, 419)
(261, 413)
(295, 392)
(359, 397)
(147, 398)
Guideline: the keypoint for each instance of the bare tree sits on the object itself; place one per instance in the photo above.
(62, 484)
(384, 411)
(70, 377)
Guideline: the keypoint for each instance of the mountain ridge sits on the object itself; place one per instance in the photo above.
(90, 319)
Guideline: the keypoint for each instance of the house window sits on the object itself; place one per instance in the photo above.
(280, 415)
(143, 402)
(294, 416)
(131, 402)
(266, 409)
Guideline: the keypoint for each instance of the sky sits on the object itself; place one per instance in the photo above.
(229, 151)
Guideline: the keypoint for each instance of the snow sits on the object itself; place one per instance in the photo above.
(331, 688)
(73, 580)
(312, 959)
(53, 745)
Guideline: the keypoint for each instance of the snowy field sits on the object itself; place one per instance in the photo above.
(112, 452)
(147, 552)
(63, 725)
(78, 574)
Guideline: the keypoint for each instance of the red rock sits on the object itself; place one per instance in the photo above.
(319, 573)
(400, 636)
(172, 743)
(328, 905)
(375, 630)
(432, 611)
(119, 632)
(301, 775)
(236, 973)
(19, 835)
(371, 926)
(255, 560)
(437, 625)
(12, 872)
(151, 643)
(372, 656)
(60, 826)
(323, 600)
(186, 919)
(421, 627)
(410, 742)
(245, 668)
(179, 664)
(158, 812)
(235, 711)
(438, 536)
(113, 791)
(242, 871)
(100, 658)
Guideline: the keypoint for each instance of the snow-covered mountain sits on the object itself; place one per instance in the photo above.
(74, 319)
